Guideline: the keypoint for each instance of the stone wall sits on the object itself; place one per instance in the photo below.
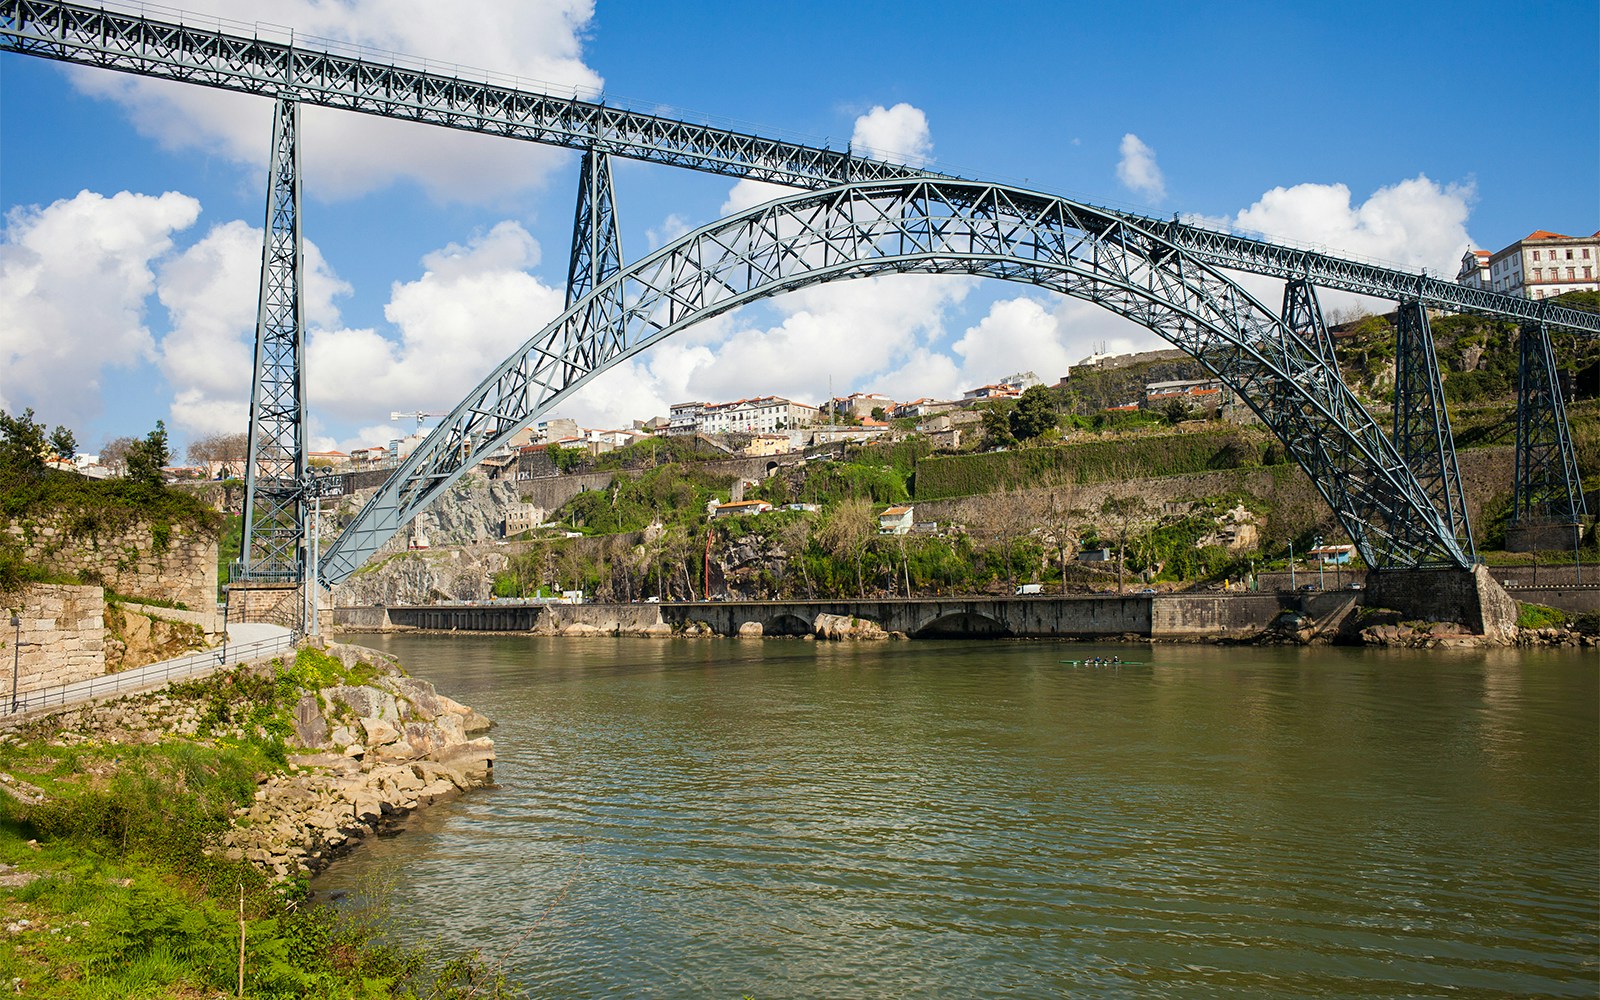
(63, 635)
(131, 560)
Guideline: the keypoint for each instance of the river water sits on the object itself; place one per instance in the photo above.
(720, 818)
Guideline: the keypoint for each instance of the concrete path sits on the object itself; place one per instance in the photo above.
(246, 641)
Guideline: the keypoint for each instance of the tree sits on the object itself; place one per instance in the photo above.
(847, 532)
(997, 427)
(114, 453)
(1176, 412)
(1034, 414)
(64, 443)
(146, 458)
(1123, 511)
(220, 448)
(795, 537)
(22, 443)
(1060, 518)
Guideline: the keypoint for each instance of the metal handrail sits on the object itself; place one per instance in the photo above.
(151, 675)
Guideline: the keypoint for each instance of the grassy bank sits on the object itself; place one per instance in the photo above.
(111, 888)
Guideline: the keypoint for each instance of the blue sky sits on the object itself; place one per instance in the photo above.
(128, 266)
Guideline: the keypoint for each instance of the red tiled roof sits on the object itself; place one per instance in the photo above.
(1544, 234)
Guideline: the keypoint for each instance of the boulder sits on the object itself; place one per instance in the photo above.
(750, 630)
(310, 728)
(847, 628)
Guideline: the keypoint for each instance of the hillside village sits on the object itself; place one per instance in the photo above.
(1136, 470)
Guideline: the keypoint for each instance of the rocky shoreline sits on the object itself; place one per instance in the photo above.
(361, 758)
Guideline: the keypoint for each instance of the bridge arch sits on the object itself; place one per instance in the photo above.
(962, 625)
(930, 225)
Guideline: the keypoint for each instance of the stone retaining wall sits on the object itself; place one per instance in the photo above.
(129, 560)
(63, 635)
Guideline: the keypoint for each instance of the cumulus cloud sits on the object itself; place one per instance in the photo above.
(210, 292)
(899, 133)
(472, 307)
(346, 154)
(75, 276)
(1138, 170)
(1416, 223)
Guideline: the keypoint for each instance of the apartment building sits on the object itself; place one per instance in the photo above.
(1541, 265)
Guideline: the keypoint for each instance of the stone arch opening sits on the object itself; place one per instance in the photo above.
(962, 625)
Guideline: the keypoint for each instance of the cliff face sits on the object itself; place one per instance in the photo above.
(463, 529)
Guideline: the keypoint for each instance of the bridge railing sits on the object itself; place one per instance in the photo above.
(140, 678)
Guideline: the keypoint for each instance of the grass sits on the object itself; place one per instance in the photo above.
(126, 900)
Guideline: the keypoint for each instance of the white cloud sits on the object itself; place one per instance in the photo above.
(1138, 171)
(899, 134)
(470, 309)
(210, 292)
(749, 193)
(347, 153)
(1414, 224)
(74, 278)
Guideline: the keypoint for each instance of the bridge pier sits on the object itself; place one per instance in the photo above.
(1470, 597)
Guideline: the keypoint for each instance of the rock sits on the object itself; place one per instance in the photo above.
(365, 702)
(379, 732)
(750, 630)
(847, 628)
(580, 629)
(310, 728)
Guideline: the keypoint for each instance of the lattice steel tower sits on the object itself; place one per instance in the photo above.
(274, 506)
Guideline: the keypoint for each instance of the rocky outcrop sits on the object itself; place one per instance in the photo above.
(845, 628)
(378, 751)
(363, 756)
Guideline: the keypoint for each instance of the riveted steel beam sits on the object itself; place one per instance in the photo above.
(937, 226)
(274, 509)
(193, 51)
(1421, 423)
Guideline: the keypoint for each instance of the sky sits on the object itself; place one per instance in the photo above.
(133, 208)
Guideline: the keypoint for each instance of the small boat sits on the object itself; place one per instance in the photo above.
(1106, 663)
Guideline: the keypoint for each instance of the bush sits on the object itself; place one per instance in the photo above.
(1539, 616)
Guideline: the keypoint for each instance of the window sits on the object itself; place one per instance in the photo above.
(1588, 272)
(1571, 273)
(1536, 255)
(1585, 253)
(1538, 274)
(1569, 253)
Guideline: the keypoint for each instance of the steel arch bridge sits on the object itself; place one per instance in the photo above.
(937, 226)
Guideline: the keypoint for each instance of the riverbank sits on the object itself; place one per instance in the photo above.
(140, 835)
(1293, 618)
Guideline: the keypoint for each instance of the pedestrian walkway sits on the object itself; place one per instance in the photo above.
(246, 641)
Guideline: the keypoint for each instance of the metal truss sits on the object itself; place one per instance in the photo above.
(941, 227)
(210, 56)
(1303, 315)
(1547, 487)
(274, 509)
(1421, 422)
(596, 256)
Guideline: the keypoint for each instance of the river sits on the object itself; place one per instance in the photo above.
(720, 818)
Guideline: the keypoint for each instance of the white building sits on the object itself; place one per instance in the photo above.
(1541, 265)
(760, 415)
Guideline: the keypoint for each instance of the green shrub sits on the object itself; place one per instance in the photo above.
(1539, 616)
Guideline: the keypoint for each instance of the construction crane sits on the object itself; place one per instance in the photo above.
(419, 415)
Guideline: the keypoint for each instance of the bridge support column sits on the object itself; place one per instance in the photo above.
(1548, 510)
(596, 256)
(274, 507)
(1421, 423)
(1470, 597)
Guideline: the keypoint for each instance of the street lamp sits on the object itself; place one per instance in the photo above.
(1321, 560)
(16, 654)
(1291, 564)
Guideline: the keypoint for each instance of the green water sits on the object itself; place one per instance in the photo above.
(787, 819)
